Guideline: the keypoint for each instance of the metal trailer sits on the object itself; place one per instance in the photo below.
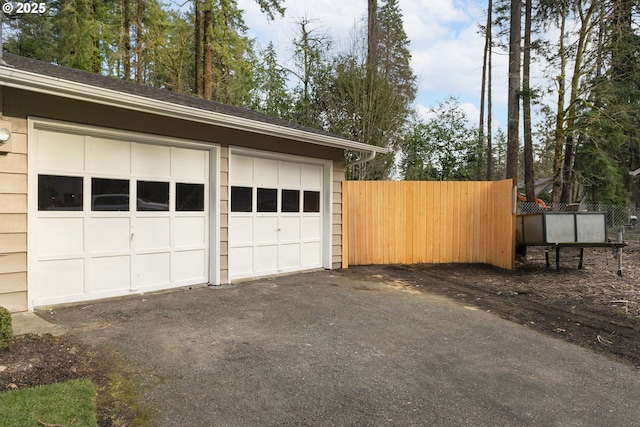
(566, 229)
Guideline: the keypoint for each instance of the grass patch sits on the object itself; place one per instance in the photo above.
(121, 397)
(69, 403)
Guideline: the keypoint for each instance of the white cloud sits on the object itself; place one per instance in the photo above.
(472, 112)
(445, 44)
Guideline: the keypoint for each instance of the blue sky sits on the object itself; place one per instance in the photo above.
(446, 47)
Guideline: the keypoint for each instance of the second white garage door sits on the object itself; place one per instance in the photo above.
(275, 216)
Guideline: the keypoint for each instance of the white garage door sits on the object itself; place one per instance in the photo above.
(111, 216)
(275, 216)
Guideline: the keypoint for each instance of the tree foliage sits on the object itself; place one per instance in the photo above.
(586, 136)
(444, 148)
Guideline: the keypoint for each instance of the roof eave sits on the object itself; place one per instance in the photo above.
(59, 87)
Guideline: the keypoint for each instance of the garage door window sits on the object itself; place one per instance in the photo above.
(189, 197)
(241, 199)
(59, 193)
(312, 201)
(290, 201)
(267, 200)
(109, 194)
(152, 196)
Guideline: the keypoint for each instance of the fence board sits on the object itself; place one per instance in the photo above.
(405, 222)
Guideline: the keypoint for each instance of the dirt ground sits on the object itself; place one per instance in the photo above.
(591, 307)
(35, 360)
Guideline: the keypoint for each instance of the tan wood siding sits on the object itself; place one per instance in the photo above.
(401, 222)
(224, 214)
(337, 252)
(13, 219)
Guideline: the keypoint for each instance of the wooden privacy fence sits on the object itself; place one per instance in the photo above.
(408, 222)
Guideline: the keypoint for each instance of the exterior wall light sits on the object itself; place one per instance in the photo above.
(5, 135)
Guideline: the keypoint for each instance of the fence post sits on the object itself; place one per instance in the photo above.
(345, 225)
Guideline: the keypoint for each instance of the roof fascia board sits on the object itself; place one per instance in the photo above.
(59, 87)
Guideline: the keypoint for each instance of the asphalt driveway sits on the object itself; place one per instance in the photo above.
(323, 349)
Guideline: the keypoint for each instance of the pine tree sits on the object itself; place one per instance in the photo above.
(513, 115)
(228, 62)
(273, 98)
(32, 36)
(381, 93)
(84, 30)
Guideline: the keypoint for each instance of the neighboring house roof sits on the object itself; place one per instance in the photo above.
(43, 77)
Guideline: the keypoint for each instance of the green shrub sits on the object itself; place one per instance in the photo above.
(6, 330)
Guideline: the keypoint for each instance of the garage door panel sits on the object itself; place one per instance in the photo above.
(266, 259)
(188, 164)
(189, 266)
(62, 151)
(110, 274)
(60, 279)
(312, 254)
(266, 230)
(289, 256)
(108, 156)
(289, 229)
(190, 231)
(265, 172)
(60, 236)
(242, 169)
(108, 234)
(241, 230)
(289, 174)
(150, 160)
(312, 176)
(311, 228)
(241, 261)
(153, 233)
(152, 270)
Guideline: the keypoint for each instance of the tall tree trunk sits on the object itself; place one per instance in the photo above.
(513, 108)
(624, 69)
(207, 57)
(489, 97)
(198, 47)
(569, 152)
(529, 184)
(372, 69)
(126, 39)
(372, 35)
(306, 59)
(560, 113)
(96, 57)
(483, 85)
(139, 31)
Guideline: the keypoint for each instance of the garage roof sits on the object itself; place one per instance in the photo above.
(43, 77)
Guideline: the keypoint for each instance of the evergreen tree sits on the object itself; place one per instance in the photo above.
(224, 55)
(382, 95)
(273, 97)
(84, 32)
(168, 52)
(32, 36)
(394, 55)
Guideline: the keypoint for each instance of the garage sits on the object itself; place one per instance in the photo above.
(113, 213)
(110, 188)
(277, 213)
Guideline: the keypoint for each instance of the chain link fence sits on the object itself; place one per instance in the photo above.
(620, 219)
